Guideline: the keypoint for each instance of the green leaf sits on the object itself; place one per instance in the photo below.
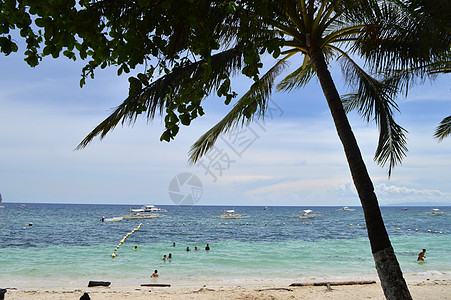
(185, 119)
(228, 99)
(174, 130)
(40, 22)
(166, 136)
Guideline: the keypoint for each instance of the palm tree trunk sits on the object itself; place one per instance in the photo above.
(387, 265)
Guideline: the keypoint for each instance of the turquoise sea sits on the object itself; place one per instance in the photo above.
(67, 244)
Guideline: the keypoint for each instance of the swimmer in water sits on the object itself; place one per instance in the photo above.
(421, 255)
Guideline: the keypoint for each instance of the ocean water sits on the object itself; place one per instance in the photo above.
(69, 245)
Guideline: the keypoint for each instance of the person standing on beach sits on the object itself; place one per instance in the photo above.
(421, 255)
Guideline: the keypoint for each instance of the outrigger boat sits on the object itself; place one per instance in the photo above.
(230, 214)
(307, 214)
(347, 208)
(436, 212)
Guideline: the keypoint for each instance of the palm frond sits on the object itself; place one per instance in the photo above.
(391, 146)
(302, 76)
(253, 103)
(443, 66)
(299, 78)
(409, 36)
(374, 102)
(403, 80)
(153, 97)
(443, 129)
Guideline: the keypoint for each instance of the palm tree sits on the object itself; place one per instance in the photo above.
(322, 32)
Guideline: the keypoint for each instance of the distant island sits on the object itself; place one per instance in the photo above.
(419, 204)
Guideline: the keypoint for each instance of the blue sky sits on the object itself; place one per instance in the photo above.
(294, 157)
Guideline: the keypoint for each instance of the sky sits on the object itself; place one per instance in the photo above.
(293, 157)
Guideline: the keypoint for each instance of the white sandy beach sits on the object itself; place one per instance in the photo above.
(431, 287)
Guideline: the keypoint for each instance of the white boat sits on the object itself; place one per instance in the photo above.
(436, 212)
(148, 209)
(230, 214)
(138, 216)
(1, 201)
(345, 208)
(114, 219)
(307, 214)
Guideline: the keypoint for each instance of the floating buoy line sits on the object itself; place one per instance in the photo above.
(113, 255)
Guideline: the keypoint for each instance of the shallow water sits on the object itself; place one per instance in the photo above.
(68, 243)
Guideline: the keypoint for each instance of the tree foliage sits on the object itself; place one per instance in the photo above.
(186, 49)
(416, 47)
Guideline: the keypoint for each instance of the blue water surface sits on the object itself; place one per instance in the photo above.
(69, 242)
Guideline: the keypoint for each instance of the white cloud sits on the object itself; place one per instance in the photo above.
(399, 194)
